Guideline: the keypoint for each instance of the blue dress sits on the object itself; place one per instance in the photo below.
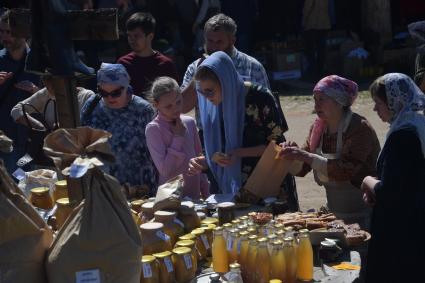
(133, 163)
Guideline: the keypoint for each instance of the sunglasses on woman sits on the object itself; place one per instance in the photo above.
(206, 93)
(114, 94)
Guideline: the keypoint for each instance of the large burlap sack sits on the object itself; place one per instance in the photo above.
(99, 240)
(24, 236)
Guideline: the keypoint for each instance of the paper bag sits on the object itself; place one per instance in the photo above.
(168, 195)
(24, 236)
(267, 177)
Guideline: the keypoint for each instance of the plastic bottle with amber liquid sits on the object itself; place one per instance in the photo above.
(165, 267)
(270, 239)
(243, 246)
(290, 260)
(219, 253)
(277, 261)
(183, 262)
(250, 273)
(304, 257)
(150, 271)
(232, 245)
(234, 275)
(262, 261)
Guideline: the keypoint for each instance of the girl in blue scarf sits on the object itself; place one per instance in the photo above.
(238, 119)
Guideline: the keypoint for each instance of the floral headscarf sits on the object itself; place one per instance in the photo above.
(407, 102)
(343, 91)
(113, 74)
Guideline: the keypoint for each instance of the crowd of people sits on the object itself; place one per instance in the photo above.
(139, 100)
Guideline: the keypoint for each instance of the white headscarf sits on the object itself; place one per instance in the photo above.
(407, 102)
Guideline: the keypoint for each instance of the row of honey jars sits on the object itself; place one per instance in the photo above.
(154, 240)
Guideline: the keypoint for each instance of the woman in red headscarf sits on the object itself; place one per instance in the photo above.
(341, 149)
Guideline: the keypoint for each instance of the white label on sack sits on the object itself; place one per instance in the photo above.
(19, 174)
(239, 247)
(163, 236)
(188, 261)
(147, 270)
(88, 276)
(178, 222)
(78, 170)
(168, 264)
(229, 243)
(205, 241)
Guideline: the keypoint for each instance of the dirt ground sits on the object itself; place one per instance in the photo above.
(298, 113)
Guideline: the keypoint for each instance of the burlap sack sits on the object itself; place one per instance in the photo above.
(24, 237)
(168, 196)
(99, 240)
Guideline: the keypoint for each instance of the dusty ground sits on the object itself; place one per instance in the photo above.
(298, 112)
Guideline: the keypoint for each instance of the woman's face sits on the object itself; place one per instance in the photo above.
(211, 90)
(170, 105)
(381, 108)
(326, 107)
(114, 96)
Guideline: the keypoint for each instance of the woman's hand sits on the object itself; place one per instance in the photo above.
(288, 144)
(27, 86)
(295, 153)
(197, 165)
(178, 128)
(4, 76)
(368, 188)
(231, 158)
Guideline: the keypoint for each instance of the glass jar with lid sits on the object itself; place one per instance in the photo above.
(61, 190)
(154, 240)
(146, 213)
(136, 205)
(166, 267)
(201, 242)
(226, 212)
(63, 210)
(188, 216)
(150, 272)
(183, 262)
(209, 229)
(210, 220)
(191, 245)
(40, 197)
(171, 227)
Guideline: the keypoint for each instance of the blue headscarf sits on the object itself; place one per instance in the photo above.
(232, 109)
(113, 74)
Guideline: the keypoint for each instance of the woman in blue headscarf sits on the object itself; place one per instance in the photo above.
(115, 109)
(239, 119)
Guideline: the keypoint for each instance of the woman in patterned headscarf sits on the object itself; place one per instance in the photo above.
(341, 149)
(398, 193)
(115, 109)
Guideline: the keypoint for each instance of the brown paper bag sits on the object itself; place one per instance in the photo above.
(24, 236)
(99, 240)
(168, 196)
(267, 177)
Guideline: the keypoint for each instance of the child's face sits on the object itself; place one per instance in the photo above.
(170, 105)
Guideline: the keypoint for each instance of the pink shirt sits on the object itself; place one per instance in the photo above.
(171, 154)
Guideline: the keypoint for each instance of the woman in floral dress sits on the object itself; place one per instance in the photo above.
(125, 116)
(239, 119)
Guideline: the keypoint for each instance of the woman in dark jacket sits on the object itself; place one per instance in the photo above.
(397, 249)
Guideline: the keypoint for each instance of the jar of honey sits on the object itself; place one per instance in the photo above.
(171, 227)
(210, 220)
(150, 271)
(183, 261)
(61, 190)
(146, 213)
(226, 212)
(154, 240)
(136, 205)
(40, 197)
(191, 245)
(63, 210)
(188, 216)
(201, 242)
(166, 267)
(209, 229)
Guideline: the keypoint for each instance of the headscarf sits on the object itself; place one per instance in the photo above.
(113, 74)
(232, 111)
(417, 32)
(407, 102)
(343, 91)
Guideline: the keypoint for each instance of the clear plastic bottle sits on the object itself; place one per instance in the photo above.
(250, 274)
(290, 260)
(277, 261)
(234, 276)
(262, 261)
(219, 252)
